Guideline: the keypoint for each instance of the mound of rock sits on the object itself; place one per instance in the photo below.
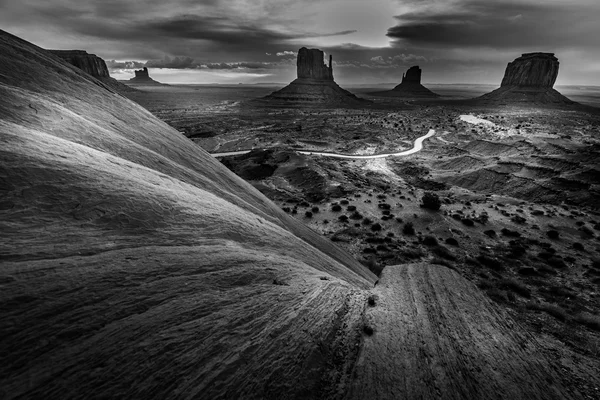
(142, 77)
(92, 65)
(410, 87)
(529, 79)
(315, 82)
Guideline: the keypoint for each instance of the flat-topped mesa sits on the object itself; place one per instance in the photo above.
(90, 63)
(532, 70)
(528, 79)
(310, 65)
(413, 75)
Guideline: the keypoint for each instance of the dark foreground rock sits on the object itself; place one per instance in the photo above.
(410, 87)
(314, 84)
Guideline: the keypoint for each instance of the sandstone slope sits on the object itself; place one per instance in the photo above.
(134, 265)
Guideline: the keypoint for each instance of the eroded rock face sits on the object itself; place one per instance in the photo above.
(532, 70)
(310, 65)
(315, 83)
(142, 73)
(90, 63)
(413, 75)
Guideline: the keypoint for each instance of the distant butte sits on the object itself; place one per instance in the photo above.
(315, 82)
(142, 77)
(529, 79)
(410, 87)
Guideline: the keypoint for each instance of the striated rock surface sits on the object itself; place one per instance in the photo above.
(532, 70)
(135, 265)
(315, 83)
(529, 79)
(142, 77)
(410, 87)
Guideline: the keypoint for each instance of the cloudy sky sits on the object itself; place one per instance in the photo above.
(372, 41)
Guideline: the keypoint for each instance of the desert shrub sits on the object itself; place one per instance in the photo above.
(356, 215)
(343, 218)
(440, 261)
(351, 208)
(430, 241)
(325, 221)
(372, 300)
(451, 241)
(384, 206)
(431, 201)
(553, 234)
(552, 309)
(286, 209)
(368, 330)
(491, 233)
(516, 286)
(556, 262)
(294, 211)
(315, 209)
(519, 219)
(344, 202)
(367, 221)
(510, 233)
(376, 227)
(490, 262)
(467, 222)
(386, 212)
(336, 207)
(304, 204)
(412, 254)
(308, 214)
(382, 247)
(373, 265)
(408, 229)
(444, 253)
(578, 246)
(589, 320)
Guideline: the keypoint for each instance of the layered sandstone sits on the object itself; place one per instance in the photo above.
(529, 79)
(315, 82)
(409, 87)
(92, 65)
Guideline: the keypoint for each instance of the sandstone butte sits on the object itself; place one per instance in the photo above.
(315, 83)
(529, 79)
(134, 265)
(409, 87)
(142, 77)
(92, 65)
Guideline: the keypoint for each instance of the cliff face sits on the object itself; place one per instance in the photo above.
(532, 70)
(528, 79)
(310, 65)
(89, 63)
(413, 75)
(315, 83)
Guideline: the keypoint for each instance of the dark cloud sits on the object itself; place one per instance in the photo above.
(172, 62)
(112, 64)
(500, 24)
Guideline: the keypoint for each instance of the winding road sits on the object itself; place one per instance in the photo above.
(416, 148)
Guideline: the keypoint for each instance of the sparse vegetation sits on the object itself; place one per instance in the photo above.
(431, 201)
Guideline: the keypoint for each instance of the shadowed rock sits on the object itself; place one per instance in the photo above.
(92, 65)
(410, 87)
(315, 82)
(142, 77)
(529, 79)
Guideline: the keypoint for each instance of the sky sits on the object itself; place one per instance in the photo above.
(372, 41)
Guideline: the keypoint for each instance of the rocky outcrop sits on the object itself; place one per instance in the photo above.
(314, 84)
(310, 65)
(532, 70)
(410, 87)
(90, 63)
(142, 77)
(529, 79)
